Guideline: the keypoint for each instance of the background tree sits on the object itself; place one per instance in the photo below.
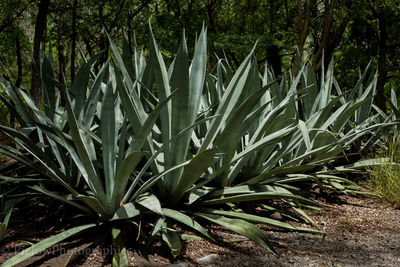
(351, 32)
(38, 40)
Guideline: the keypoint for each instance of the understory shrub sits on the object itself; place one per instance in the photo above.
(384, 180)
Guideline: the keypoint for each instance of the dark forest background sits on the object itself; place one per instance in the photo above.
(352, 32)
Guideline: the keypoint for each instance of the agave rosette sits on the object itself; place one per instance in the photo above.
(182, 144)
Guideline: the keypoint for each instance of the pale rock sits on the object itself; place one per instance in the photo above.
(177, 265)
(211, 258)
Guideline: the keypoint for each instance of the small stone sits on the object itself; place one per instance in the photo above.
(177, 265)
(211, 258)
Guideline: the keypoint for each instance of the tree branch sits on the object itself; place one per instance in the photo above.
(5, 24)
(144, 4)
(116, 16)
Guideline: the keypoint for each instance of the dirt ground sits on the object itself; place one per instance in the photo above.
(360, 231)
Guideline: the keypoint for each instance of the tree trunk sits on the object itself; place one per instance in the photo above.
(62, 63)
(61, 60)
(19, 61)
(103, 40)
(18, 81)
(274, 59)
(304, 19)
(73, 39)
(88, 46)
(40, 30)
(382, 58)
(130, 34)
(322, 44)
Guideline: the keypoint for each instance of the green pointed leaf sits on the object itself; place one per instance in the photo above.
(197, 193)
(125, 212)
(192, 172)
(148, 183)
(163, 89)
(255, 197)
(91, 103)
(48, 86)
(259, 219)
(241, 227)
(82, 148)
(229, 101)
(43, 245)
(345, 116)
(39, 155)
(197, 74)
(80, 84)
(180, 111)
(19, 105)
(150, 202)
(148, 125)
(304, 132)
(124, 171)
(109, 138)
(120, 259)
(128, 58)
(310, 82)
(95, 205)
(171, 238)
(300, 211)
(53, 195)
(151, 181)
(184, 219)
(240, 114)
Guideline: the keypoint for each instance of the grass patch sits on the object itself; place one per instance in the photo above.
(384, 180)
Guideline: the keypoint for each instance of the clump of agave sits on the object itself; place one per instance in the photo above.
(180, 144)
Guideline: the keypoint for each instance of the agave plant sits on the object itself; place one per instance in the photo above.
(182, 144)
(214, 146)
(265, 136)
(82, 147)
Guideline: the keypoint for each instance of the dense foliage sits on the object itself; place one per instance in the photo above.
(352, 32)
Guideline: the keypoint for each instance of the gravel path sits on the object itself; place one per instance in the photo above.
(360, 231)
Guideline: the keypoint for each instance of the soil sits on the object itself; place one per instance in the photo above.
(360, 231)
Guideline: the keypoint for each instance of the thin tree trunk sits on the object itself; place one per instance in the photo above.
(18, 81)
(19, 60)
(40, 30)
(131, 16)
(322, 42)
(130, 33)
(304, 19)
(88, 46)
(103, 41)
(189, 14)
(116, 16)
(382, 58)
(61, 60)
(73, 39)
(62, 63)
(210, 12)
